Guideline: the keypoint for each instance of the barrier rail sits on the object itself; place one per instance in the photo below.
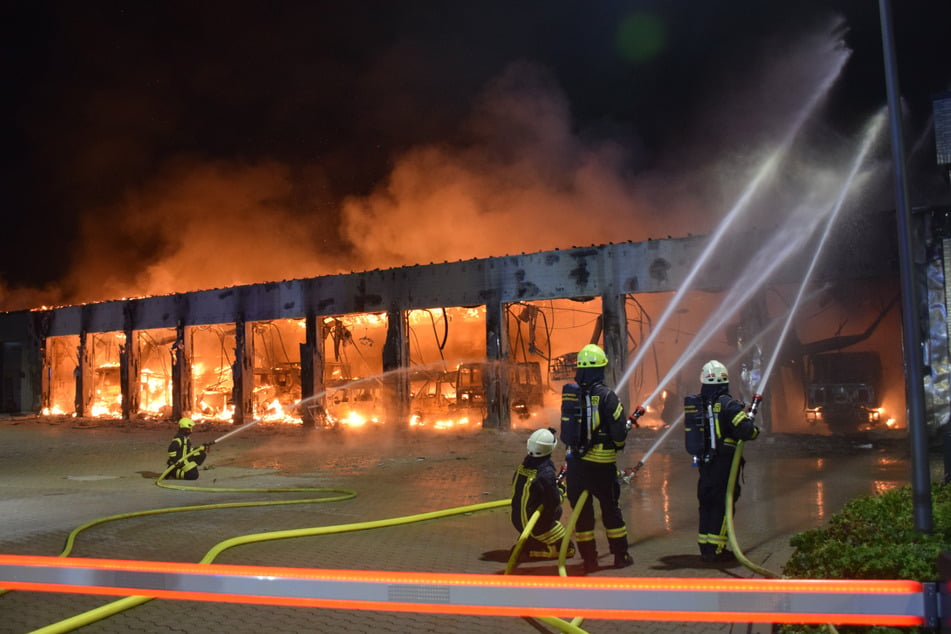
(853, 602)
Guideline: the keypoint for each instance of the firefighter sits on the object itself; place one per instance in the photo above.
(594, 428)
(535, 484)
(714, 421)
(186, 466)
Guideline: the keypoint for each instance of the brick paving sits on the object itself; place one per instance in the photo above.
(61, 474)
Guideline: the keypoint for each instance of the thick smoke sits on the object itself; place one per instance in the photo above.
(523, 180)
(201, 225)
(519, 175)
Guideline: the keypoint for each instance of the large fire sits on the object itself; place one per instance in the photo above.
(445, 344)
(447, 373)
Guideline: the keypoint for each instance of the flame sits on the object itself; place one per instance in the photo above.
(441, 424)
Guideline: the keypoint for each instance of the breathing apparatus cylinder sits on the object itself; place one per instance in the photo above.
(694, 441)
(576, 418)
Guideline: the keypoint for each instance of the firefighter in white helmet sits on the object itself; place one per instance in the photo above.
(180, 452)
(713, 423)
(594, 428)
(535, 484)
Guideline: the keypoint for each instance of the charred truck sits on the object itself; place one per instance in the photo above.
(845, 391)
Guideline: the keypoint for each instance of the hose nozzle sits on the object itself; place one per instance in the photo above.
(631, 472)
(754, 406)
(637, 413)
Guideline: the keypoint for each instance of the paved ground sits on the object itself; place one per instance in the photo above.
(60, 474)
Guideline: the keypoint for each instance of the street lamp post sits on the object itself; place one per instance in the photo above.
(911, 337)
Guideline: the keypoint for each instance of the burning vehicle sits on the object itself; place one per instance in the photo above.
(457, 394)
(433, 395)
(526, 390)
(844, 391)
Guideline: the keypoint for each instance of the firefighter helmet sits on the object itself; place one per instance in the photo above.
(541, 443)
(186, 423)
(592, 356)
(714, 373)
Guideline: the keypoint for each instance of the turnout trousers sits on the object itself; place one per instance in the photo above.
(600, 480)
(711, 494)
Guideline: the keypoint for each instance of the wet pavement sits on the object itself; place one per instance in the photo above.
(62, 473)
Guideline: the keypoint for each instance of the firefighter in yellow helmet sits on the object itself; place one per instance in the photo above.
(180, 453)
(713, 423)
(535, 484)
(594, 428)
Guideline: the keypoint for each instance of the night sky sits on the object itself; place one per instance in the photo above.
(168, 146)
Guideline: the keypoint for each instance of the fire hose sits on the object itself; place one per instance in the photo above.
(571, 627)
(126, 603)
(631, 472)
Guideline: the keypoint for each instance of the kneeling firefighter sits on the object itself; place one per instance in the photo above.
(713, 423)
(594, 428)
(186, 466)
(535, 484)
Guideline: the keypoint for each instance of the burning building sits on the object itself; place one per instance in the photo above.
(484, 342)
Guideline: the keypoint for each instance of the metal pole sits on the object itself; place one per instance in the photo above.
(911, 338)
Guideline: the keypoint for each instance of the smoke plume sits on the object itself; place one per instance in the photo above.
(519, 174)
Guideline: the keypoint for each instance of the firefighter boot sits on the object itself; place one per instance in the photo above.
(589, 554)
(623, 560)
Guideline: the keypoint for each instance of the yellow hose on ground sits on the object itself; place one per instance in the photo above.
(346, 528)
(570, 530)
(731, 532)
(110, 609)
(576, 622)
(561, 624)
(344, 494)
(730, 528)
(517, 548)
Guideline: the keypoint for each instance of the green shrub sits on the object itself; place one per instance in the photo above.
(873, 538)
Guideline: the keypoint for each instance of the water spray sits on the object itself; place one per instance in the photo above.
(871, 134)
(754, 406)
(629, 473)
(766, 261)
(738, 296)
(766, 169)
(232, 432)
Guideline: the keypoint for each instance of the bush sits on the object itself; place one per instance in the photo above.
(873, 538)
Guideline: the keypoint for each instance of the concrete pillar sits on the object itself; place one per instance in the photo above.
(396, 390)
(37, 364)
(498, 414)
(85, 382)
(46, 377)
(183, 401)
(312, 373)
(242, 372)
(614, 324)
(129, 365)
